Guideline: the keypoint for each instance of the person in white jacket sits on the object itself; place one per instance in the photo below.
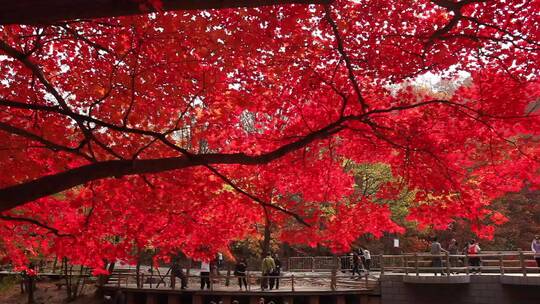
(535, 248)
(205, 274)
(367, 257)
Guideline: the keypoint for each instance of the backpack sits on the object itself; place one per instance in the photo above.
(472, 249)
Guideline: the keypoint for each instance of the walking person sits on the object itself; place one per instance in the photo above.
(205, 274)
(219, 262)
(356, 264)
(535, 247)
(274, 280)
(362, 258)
(267, 268)
(473, 249)
(436, 261)
(367, 257)
(240, 271)
(453, 251)
(177, 271)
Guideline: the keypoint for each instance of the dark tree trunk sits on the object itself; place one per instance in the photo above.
(267, 233)
(30, 284)
(138, 271)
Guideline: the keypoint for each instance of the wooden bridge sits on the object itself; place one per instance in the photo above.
(313, 280)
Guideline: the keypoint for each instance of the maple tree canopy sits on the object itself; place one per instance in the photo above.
(179, 130)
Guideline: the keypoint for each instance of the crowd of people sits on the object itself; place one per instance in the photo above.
(471, 250)
(359, 259)
(270, 270)
(358, 262)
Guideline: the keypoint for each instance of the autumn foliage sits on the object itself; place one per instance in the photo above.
(175, 130)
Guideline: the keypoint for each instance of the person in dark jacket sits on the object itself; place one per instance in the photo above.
(356, 264)
(177, 271)
(240, 271)
(274, 280)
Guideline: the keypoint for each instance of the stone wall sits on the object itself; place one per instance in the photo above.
(481, 289)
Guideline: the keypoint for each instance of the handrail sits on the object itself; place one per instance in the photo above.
(290, 281)
(415, 263)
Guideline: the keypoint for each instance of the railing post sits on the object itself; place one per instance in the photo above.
(333, 280)
(292, 282)
(289, 264)
(466, 261)
(522, 263)
(406, 262)
(416, 264)
(501, 263)
(211, 278)
(248, 280)
(54, 265)
(447, 263)
(312, 264)
(382, 264)
(228, 279)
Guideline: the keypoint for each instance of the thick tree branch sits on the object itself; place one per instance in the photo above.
(16, 195)
(13, 196)
(51, 11)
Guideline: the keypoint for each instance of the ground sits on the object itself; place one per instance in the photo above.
(46, 293)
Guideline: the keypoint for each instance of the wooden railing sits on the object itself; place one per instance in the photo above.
(288, 282)
(326, 263)
(415, 263)
(422, 263)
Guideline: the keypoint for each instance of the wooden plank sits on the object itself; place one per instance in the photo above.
(340, 300)
(173, 299)
(130, 298)
(288, 300)
(197, 299)
(252, 300)
(151, 298)
(226, 299)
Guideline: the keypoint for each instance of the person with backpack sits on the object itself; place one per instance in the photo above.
(240, 272)
(473, 249)
(274, 280)
(177, 271)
